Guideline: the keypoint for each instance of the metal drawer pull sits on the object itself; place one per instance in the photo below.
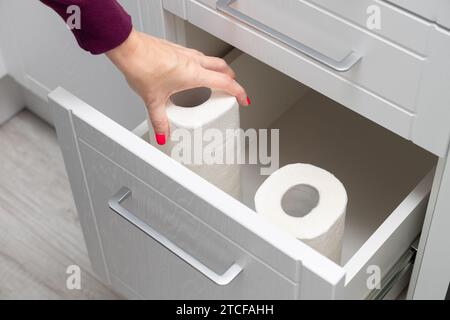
(221, 280)
(343, 65)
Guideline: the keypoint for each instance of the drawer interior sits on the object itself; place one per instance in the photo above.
(378, 168)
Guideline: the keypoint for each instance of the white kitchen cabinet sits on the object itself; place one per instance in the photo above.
(157, 230)
(154, 229)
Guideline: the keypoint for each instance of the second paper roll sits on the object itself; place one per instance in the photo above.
(308, 202)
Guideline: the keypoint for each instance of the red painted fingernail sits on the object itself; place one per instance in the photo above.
(248, 101)
(161, 139)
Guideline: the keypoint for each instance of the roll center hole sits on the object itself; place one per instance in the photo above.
(191, 98)
(300, 200)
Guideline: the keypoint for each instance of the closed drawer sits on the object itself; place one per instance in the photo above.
(333, 38)
(433, 10)
(388, 198)
(396, 83)
(320, 16)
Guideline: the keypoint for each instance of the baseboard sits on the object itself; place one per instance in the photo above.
(3, 71)
(14, 97)
(39, 106)
(11, 98)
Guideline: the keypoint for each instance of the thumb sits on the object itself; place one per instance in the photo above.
(160, 124)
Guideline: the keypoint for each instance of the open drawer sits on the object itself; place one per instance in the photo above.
(155, 229)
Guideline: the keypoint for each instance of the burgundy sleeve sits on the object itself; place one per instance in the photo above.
(104, 24)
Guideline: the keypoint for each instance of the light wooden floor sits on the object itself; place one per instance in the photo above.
(40, 235)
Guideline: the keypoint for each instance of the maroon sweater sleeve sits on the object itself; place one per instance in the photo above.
(104, 24)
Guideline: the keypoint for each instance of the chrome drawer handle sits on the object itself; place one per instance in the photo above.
(221, 280)
(348, 62)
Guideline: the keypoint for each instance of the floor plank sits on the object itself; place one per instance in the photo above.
(40, 235)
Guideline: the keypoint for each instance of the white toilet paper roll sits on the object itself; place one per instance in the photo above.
(194, 115)
(309, 203)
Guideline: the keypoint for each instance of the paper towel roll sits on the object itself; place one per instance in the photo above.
(194, 112)
(309, 203)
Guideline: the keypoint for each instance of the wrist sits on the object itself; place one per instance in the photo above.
(124, 51)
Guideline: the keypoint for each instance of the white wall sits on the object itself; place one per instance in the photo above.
(2, 65)
(42, 54)
(11, 99)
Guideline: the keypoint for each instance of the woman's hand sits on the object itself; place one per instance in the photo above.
(156, 69)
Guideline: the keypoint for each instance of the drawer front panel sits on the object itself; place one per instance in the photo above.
(147, 266)
(383, 19)
(397, 26)
(334, 38)
(434, 10)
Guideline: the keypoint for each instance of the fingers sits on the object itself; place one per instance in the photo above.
(217, 64)
(160, 123)
(217, 80)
